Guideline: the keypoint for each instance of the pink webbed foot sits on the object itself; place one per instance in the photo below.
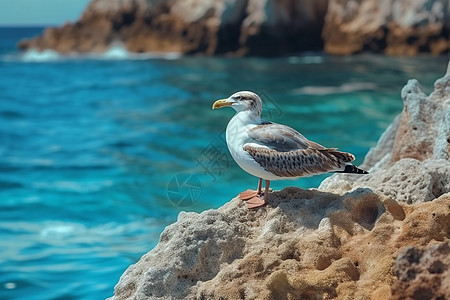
(248, 194)
(253, 198)
(255, 202)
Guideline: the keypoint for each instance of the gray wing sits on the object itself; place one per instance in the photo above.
(280, 137)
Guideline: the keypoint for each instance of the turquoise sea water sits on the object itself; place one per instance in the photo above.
(99, 153)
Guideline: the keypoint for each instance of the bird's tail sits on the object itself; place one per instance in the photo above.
(352, 169)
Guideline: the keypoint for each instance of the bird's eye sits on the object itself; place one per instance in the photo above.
(239, 98)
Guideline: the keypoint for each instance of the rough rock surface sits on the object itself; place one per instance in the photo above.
(257, 27)
(191, 26)
(338, 242)
(423, 273)
(306, 244)
(390, 26)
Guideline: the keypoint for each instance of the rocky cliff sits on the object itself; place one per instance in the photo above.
(254, 27)
(355, 237)
(390, 26)
(191, 26)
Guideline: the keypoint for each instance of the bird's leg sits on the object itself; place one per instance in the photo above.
(248, 194)
(266, 191)
(259, 187)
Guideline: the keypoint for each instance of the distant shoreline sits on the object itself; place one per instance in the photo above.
(236, 28)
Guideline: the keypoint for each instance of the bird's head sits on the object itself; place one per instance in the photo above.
(242, 101)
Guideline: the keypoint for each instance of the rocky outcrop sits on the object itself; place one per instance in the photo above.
(255, 27)
(410, 162)
(390, 26)
(191, 26)
(304, 245)
(338, 242)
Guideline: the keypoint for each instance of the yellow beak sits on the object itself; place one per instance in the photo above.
(221, 103)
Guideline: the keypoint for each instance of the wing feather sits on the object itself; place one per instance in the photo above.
(299, 162)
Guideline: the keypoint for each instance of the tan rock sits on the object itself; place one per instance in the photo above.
(262, 27)
(423, 273)
(396, 27)
(191, 26)
(410, 162)
(305, 244)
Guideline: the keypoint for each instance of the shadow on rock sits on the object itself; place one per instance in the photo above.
(307, 208)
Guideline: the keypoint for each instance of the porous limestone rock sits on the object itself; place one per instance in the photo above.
(338, 242)
(305, 244)
(391, 26)
(423, 273)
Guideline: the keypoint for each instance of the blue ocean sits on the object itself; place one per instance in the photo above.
(100, 152)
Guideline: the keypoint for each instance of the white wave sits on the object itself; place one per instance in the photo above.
(79, 232)
(34, 55)
(113, 53)
(119, 52)
(327, 90)
(62, 229)
(116, 52)
(59, 227)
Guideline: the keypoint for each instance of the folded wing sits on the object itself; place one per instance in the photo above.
(285, 152)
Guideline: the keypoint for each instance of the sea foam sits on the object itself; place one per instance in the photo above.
(115, 52)
(119, 52)
(34, 55)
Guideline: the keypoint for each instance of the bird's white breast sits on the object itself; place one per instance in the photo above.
(237, 137)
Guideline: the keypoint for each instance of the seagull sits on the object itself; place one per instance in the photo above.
(271, 151)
